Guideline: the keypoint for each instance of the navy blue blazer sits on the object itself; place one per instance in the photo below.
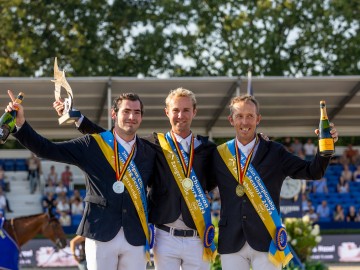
(105, 211)
(239, 221)
(165, 200)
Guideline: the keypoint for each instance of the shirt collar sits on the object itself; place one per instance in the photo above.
(187, 139)
(246, 149)
(126, 145)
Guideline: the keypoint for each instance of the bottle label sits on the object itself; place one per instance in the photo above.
(4, 132)
(326, 144)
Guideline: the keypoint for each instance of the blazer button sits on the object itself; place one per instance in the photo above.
(244, 217)
(124, 211)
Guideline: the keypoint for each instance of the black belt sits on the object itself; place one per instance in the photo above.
(177, 232)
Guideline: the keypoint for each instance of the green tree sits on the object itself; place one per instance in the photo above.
(34, 32)
(180, 38)
(281, 37)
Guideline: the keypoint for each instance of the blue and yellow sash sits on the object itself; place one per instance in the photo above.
(195, 197)
(131, 179)
(279, 251)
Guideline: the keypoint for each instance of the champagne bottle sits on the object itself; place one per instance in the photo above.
(326, 142)
(8, 120)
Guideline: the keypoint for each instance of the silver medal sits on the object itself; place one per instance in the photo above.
(118, 187)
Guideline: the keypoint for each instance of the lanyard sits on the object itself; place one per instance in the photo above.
(241, 172)
(120, 172)
(187, 169)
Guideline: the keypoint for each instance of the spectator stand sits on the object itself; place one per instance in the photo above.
(77, 183)
(13, 164)
(21, 201)
(78, 175)
(333, 197)
(18, 193)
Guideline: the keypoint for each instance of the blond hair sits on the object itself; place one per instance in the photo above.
(180, 92)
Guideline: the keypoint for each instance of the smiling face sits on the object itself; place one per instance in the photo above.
(244, 118)
(180, 111)
(127, 119)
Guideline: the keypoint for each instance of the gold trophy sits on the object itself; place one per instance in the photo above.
(69, 115)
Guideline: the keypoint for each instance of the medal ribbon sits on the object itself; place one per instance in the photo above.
(260, 199)
(120, 172)
(182, 154)
(194, 198)
(131, 179)
(242, 172)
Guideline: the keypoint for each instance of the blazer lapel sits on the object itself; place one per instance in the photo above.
(140, 149)
(261, 151)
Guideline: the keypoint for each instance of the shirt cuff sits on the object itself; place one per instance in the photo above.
(78, 122)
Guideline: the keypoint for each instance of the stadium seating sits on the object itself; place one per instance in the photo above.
(14, 164)
(20, 165)
(334, 198)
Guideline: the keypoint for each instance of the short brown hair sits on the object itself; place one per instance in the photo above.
(244, 98)
(127, 96)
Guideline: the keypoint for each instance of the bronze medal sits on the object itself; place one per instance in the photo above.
(240, 190)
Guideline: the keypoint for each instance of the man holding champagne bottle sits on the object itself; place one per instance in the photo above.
(118, 167)
(178, 239)
(250, 172)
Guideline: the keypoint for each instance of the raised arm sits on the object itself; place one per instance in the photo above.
(84, 125)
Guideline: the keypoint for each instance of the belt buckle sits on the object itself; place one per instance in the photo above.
(171, 231)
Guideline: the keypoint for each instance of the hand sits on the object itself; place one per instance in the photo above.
(333, 131)
(58, 105)
(266, 138)
(20, 116)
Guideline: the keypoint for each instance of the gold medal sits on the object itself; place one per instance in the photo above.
(187, 184)
(240, 190)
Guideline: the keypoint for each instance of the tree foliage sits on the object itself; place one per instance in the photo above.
(180, 37)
